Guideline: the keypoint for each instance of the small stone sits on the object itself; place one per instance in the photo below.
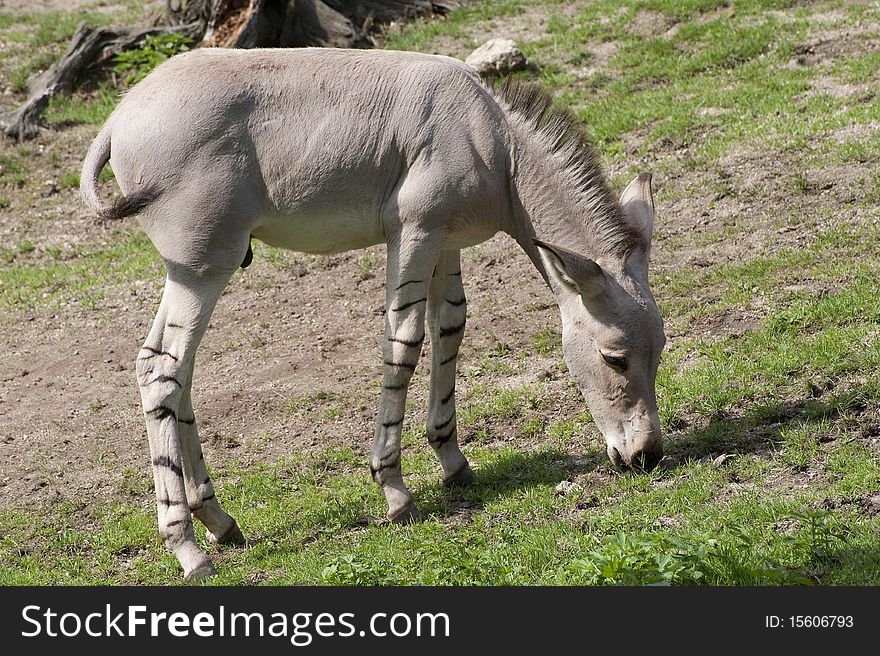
(564, 488)
(496, 57)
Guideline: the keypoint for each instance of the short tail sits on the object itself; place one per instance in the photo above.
(97, 157)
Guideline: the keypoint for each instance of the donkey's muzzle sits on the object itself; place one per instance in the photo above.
(640, 460)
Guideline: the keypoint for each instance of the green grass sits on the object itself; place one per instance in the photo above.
(67, 110)
(310, 401)
(501, 403)
(367, 266)
(13, 171)
(839, 253)
(735, 62)
(83, 278)
(306, 521)
(547, 342)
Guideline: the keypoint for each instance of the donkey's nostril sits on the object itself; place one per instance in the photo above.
(647, 459)
(616, 459)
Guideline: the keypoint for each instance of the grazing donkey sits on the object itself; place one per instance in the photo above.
(322, 151)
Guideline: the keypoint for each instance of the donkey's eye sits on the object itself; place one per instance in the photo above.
(616, 361)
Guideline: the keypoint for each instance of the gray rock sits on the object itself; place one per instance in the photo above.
(496, 57)
(566, 487)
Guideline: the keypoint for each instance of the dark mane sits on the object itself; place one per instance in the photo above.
(567, 142)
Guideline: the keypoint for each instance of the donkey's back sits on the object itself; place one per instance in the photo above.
(307, 149)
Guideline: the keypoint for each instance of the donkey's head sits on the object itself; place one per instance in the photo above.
(612, 333)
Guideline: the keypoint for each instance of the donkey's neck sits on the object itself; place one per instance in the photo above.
(548, 205)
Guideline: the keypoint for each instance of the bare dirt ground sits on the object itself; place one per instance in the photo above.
(70, 418)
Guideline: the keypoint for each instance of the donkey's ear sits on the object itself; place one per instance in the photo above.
(572, 271)
(637, 204)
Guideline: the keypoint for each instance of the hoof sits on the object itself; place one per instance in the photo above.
(406, 515)
(463, 477)
(201, 573)
(232, 536)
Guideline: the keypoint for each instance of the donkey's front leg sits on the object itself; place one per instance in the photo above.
(410, 263)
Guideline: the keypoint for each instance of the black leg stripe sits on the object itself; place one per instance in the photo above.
(393, 387)
(440, 440)
(404, 284)
(166, 379)
(177, 522)
(389, 424)
(208, 498)
(445, 423)
(402, 365)
(452, 330)
(457, 273)
(187, 421)
(161, 412)
(408, 342)
(174, 325)
(207, 481)
(156, 353)
(457, 303)
(449, 359)
(448, 397)
(391, 463)
(407, 305)
(165, 461)
(168, 503)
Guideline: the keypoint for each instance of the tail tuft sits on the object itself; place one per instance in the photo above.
(128, 205)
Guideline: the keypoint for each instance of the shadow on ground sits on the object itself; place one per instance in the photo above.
(761, 430)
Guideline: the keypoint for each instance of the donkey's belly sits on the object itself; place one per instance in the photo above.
(320, 232)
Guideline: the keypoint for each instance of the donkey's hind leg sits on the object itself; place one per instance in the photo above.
(163, 366)
(222, 527)
(411, 259)
(447, 313)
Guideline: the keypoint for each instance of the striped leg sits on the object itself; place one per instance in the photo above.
(447, 313)
(222, 528)
(163, 365)
(408, 276)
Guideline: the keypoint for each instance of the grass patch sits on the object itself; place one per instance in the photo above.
(13, 171)
(84, 279)
(68, 110)
(320, 398)
(500, 404)
(547, 342)
(305, 517)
